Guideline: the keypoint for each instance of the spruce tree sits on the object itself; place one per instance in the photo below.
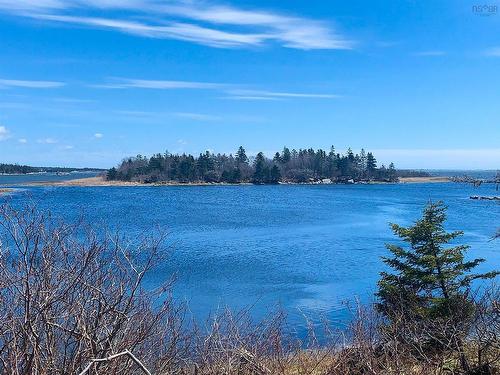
(350, 155)
(112, 174)
(260, 175)
(285, 155)
(371, 163)
(241, 156)
(274, 175)
(392, 174)
(277, 158)
(430, 280)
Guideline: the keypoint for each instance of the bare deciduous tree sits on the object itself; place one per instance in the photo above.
(68, 296)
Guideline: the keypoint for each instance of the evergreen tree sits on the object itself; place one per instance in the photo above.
(286, 155)
(232, 176)
(112, 174)
(277, 158)
(332, 163)
(430, 281)
(391, 173)
(241, 156)
(266, 173)
(371, 163)
(274, 175)
(260, 175)
(332, 152)
(236, 175)
(155, 162)
(350, 155)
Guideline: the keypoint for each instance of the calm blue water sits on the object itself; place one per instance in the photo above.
(304, 248)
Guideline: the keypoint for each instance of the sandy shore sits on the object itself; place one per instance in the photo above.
(100, 181)
(89, 181)
(423, 180)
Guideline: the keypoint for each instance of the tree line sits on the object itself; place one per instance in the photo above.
(297, 166)
(25, 169)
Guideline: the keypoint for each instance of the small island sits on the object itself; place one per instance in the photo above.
(306, 166)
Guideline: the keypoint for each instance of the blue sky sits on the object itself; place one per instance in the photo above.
(88, 82)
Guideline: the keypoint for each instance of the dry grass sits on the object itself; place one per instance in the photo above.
(423, 180)
(88, 181)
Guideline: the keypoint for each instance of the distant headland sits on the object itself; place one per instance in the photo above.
(10, 169)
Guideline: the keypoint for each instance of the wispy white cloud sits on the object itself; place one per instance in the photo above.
(251, 97)
(31, 5)
(72, 100)
(387, 43)
(125, 83)
(198, 21)
(492, 52)
(232, 91)
(270, 95)
(22, 140)
(175, 30)
(6, 83)
(4, 133)
(98, 135)
(47, 141)
(159, 116)
(197, 116)
(429, 53)
(7, 105)
(293, 32)
(143, 116)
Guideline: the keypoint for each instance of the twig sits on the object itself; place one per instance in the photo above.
(111, 357)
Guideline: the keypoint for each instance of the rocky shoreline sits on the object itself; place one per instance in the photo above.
(100, 181)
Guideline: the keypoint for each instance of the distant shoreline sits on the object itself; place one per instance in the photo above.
(422, 180)
(100, 181)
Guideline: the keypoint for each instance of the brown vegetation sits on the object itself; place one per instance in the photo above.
(88, 181)
(422, 180)
(101, 181)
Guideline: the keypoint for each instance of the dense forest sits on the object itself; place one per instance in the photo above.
(302, 166)
(25, 169)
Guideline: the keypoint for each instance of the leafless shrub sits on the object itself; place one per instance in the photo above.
(484, 339)
(68, 296)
